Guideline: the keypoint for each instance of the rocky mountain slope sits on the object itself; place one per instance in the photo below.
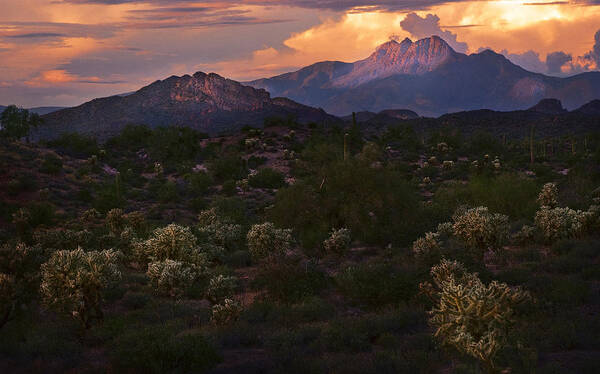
(430, 78)
(207, 102)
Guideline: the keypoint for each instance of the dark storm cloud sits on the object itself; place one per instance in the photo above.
(556, 60)
(37, 35)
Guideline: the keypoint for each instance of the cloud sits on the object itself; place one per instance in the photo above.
(51, 78)
(420, 28)
(556, 60)
(37, 35)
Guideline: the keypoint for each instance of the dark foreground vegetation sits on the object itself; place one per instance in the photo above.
(300, 249)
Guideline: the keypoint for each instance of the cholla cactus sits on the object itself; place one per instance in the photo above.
(548, 197)
(264, 240)
(442, 147)
(427, 245)
(90, 215)
(525, 235)
(426, 180)
(338, 241)
(559, 223)
(432, 160)
(221, 288)
(448, 164)
(226, 312)
(243, 184)
(496, 163)
(251, 143)
(172, 278)
(74, 281)
(218, 231)
(445, 229)
(115, 221)
(172, 242)
(158, 168)
(469, 315)
(480, 229)
(137, 221)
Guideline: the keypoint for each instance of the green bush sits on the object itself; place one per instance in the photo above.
(290, 281)
(377, 284)
(267, 178)
(51, 164)
(75, 144)
(157, 349)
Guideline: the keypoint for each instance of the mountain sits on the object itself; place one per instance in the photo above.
(430, 78)
(207, 102)
(39, 110)
(590, 109)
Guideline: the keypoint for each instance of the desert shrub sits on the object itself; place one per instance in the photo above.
(289, 281)
(469, 315)
(41, 213)
(73, 282)
(267, 178)
(479, 229)
(227, 167)
(548, 196)
(560, 223)
(221, 288)
(229, 188)
(171, 278)
(264, 240)
(199, 183)
(377, 284)
(171, 242)
(51, 164)
(226, 312)
(375, 204)
(158, 349)
(168, 192)
(338, 241)
(75, 144)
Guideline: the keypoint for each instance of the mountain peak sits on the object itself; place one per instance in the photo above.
(548, 106)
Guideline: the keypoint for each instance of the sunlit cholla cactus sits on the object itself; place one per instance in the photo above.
(338, 241)
(172, 278)
(265, 240)
(243, 185)
(220, 288)
(480, 229)
(62, 238)
(432, 160)
(560, 223)
(426, 181)
(171, 242)
(226, 312)
(427, 245)
(448, 164)
(469, 315)
(548, 197)
(252, 143)
(218, 231)
(289, 155)
(136, 221)
(74, 282)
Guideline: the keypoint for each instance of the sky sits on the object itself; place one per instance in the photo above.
(66, 52)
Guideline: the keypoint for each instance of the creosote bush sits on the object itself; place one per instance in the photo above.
(338, 241)
(265, 240)
(469, 315)
(74, 281)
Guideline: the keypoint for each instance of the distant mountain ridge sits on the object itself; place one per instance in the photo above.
(430, 78)
(207, 102)
(39, 110)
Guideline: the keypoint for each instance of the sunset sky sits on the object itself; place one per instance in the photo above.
(66, 52)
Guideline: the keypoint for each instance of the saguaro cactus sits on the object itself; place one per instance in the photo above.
(346, 150)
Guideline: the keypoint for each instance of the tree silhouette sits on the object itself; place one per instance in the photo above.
(15, 123)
